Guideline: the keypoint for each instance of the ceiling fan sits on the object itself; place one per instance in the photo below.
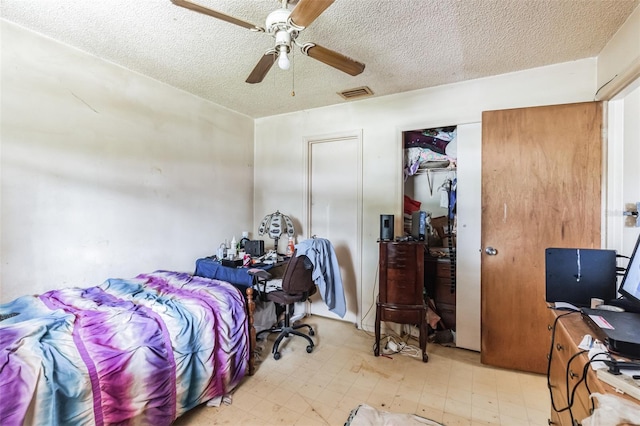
(284, 26)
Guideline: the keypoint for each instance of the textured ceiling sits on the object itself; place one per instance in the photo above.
(405, 44)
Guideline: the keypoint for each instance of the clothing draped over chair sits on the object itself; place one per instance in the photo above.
(326, 272)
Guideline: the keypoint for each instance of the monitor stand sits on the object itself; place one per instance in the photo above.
(626, 304)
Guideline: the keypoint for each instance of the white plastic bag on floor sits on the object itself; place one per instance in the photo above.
(612, 410)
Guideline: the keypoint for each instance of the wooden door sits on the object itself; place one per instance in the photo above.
(334, 210)
(541, 187)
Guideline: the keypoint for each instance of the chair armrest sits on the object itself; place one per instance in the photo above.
(259, 274)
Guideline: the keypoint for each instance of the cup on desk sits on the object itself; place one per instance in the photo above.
(595, 302)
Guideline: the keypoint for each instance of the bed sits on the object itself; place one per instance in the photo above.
(136, 351)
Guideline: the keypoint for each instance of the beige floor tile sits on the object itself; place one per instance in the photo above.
(450, 419)
(298, 403)
(513, 421)
(484, 402)
(329, 397)
(403, 405)
(484, 388)
(513, 410)
(433, 401)
(321, 388)
(459, 395)
(319, 412)
(513, 398)
(429, 413)
(310, 421)
(458, 408)
(279, 396)
(286, 416)
(486, 416)
(380, 400)
(435, 388)
(360, 393)
(537, 417)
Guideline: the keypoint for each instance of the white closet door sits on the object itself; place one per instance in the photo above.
(334, 210)
(623, 173)
(469, 205)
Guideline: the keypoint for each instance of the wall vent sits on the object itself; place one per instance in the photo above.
(358, 92)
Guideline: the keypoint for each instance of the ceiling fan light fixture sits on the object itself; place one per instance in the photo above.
(283, 59)
(283, 45)
(285, 25)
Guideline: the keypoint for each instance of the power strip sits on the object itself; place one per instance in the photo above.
(392, 347)
(621, 382)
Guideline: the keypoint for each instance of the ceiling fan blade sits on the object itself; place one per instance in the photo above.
(333, 59)
(204, 10)
(262, 67)
(306, 11)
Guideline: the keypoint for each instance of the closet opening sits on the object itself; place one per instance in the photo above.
(429, 215)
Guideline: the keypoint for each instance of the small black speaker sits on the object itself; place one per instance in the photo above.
(255, 248)
(386, 227)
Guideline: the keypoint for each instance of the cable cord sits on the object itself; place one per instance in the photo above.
(570, 394)
(396, 345)
(550, 357)
(585, 370)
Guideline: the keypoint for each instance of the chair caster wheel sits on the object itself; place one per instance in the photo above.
(309, 349)
(311, 332)
(276, 356)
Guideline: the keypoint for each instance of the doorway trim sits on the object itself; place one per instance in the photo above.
(309, 141)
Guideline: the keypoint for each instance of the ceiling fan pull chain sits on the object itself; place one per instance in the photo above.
(293, 74)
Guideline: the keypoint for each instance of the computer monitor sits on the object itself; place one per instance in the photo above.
(630, 284)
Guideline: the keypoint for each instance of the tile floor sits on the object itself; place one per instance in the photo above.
(321, 388)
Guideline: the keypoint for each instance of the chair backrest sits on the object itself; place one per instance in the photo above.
(297, 277)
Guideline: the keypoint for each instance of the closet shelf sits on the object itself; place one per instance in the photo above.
(434, 170)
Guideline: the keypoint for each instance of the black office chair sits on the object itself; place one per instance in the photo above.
(297, 286)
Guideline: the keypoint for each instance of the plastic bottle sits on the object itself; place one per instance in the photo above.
(233, 248)
(222, 251)
(290, 247)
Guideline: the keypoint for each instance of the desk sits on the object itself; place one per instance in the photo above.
(264, 315)
(210, 268)
(566, 372)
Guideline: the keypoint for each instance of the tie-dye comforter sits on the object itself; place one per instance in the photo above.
(138, 351)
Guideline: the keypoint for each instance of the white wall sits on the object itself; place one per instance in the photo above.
(278, 179)
(107, 173)
(619, 60)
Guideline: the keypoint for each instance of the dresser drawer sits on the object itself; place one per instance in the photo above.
(443, 292)
(401, 315)
(443, 268)
(448, 314)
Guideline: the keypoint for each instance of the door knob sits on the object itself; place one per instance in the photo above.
(491, 251)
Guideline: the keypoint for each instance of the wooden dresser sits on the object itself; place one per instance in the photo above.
(439, 278)
(566, 370)
(401, 288)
